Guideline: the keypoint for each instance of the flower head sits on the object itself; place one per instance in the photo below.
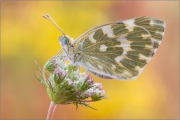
(65, 84)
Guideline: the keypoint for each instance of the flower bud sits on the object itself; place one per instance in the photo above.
(72, 83)
(59, 75)
(102, 92)
(98, 86)
(90, 81)
(50, 65)
(53, 63)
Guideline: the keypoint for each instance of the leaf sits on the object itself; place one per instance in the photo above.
(86, 105)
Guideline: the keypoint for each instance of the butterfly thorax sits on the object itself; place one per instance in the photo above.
(68, 47)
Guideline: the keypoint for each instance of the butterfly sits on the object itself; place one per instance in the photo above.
(118, 50)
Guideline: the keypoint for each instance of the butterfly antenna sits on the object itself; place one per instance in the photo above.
(48, 17)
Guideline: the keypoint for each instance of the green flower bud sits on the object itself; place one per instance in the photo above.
(50, 65)
(59, 75)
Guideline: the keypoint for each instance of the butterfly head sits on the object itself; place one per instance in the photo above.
(67, 45)
(66, 42)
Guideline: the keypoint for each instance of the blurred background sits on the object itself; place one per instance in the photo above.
(26, 37)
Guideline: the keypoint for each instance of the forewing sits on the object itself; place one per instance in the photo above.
(120, 50)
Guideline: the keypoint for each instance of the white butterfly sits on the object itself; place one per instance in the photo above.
(118, 50)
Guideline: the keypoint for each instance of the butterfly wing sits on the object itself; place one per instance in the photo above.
(120, 50)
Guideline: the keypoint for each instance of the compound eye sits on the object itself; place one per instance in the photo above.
(64, 40)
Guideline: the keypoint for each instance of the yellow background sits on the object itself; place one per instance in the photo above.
(26, 37)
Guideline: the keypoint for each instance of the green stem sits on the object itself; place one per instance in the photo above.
(51, 110)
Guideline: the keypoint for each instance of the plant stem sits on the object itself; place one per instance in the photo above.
(51, 110)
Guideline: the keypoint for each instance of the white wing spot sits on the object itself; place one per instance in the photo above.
(107, 30)
(103, 48)
(125, 44)
(130, 28)
(154, 40)
(138, 68)
(113, 67)
(117, 46)
(145, 36)
(118, 59)
(129, 24)
(91, 38)
(130, 21)
(121, 38)
(124, 41)
(149, 46)
(94, 57)
(142, 57)
(100, 67)
(155, 50)
(158, 32)
(127, 74)
(152, 23)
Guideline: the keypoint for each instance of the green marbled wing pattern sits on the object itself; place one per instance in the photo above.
(120, 50)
